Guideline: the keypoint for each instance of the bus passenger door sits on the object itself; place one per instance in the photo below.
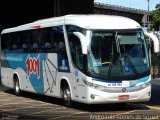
(77, 61)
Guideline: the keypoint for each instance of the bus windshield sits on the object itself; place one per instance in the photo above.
(118, 54)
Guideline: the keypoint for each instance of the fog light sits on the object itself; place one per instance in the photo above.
(92, 96)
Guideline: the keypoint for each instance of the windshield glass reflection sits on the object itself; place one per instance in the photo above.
(120, 53)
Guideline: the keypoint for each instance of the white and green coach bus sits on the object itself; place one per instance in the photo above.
(91, 59)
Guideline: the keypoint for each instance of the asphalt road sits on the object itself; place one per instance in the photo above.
(38, 107)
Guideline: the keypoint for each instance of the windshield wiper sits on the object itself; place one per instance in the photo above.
(131, 63)
(119, 51)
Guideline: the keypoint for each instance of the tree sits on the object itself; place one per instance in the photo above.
(154, 59)
(155, 17)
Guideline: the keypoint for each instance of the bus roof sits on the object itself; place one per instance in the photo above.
(84, 21)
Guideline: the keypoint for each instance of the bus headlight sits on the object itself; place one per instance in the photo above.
(146, 84)
(87, 83)
(99, 87)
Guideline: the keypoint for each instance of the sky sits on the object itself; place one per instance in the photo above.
(138, 4)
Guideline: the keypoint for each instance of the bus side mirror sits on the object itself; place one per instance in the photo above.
(155, 41)
(83, 40)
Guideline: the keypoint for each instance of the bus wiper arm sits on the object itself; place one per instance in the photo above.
(119, 51)
(131, 63)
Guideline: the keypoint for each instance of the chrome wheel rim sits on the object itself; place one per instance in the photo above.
(67, 94)
(17, 87)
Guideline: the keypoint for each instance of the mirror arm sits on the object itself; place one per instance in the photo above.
(83, 40)
(155, 41)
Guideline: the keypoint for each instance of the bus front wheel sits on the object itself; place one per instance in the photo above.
(67, 96)
(16, 87)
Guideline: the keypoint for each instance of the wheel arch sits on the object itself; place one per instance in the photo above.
(64, 81)
(16, 75)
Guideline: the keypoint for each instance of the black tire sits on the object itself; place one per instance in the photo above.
(16, 87)
(66, 95)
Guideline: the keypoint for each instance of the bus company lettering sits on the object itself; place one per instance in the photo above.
(33, 66)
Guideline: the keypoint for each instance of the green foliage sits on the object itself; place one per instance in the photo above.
(154, 60)
(155, 17)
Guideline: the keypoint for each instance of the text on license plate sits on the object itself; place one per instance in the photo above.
(123, 97)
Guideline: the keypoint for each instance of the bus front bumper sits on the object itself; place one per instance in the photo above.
(99, 97)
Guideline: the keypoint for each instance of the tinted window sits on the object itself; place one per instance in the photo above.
(75, 45)
(4, 43)
(45, 40)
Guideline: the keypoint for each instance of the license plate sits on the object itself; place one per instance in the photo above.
(123, 97)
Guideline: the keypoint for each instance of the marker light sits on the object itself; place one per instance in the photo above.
(36, 26)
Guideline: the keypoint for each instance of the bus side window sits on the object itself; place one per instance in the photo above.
(4, 41)
(14, 42)
(55, 47)
(76, 51)
(35, 47)
(35, 40)
(14, 47)
(48, 40)
(58, 41)
(24, 43)
(75, 45)
(47, 47)
(42, 38)
(24, 46)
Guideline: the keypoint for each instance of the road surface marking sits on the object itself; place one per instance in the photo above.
(9, 94)
(3, 94)
(77, 113)
(16, 102)
(124, 113)
(44, 111)
(153, 107)
(7, 99)
(23, 107)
